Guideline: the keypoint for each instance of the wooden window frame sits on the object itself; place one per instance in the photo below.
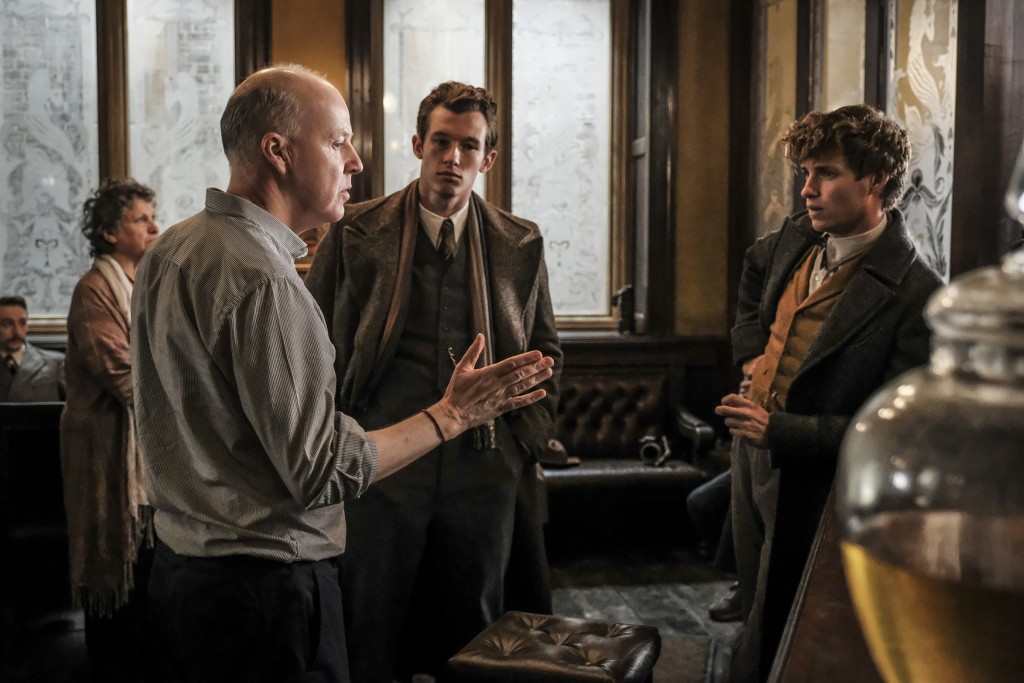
(252, 52)
(364, 25)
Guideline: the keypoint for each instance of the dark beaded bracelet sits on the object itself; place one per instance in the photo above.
(433, 421)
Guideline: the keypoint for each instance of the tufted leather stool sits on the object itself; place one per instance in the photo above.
(532, 648)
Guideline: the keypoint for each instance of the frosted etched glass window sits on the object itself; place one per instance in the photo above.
(776, 109)
(844, 53)
(181, 66)
(425, 44)
(922, 96)
(50, 154)
(561, 127)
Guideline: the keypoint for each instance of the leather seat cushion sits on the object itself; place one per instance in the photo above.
(529, 648)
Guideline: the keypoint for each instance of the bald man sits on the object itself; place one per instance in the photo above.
(247, 460)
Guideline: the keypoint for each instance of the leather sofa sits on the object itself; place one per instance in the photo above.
(603, 488)
(614, 428)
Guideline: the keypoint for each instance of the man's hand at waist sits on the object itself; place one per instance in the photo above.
(745, 419)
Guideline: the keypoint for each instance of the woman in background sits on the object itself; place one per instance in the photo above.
(110, 533)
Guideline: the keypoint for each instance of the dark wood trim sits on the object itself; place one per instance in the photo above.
(970, 167)
(359, 34)
(822, 639)
(662, 150)
(252, 52)
(817, 18)
(742, 228)
(112, 86)
(989, 115)
(621, 189)
(803, 102)
(876, 52)
(498, 75)
(805, 57)
(253, 28)
(636, 117)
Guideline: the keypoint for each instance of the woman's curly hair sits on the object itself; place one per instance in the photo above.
(870, 143)
(104, 210)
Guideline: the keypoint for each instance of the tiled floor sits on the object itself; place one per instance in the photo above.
(668, 588)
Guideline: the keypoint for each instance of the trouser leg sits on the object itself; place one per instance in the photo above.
(469, 549)
(387, 531)
(528, 580)
(755, 498)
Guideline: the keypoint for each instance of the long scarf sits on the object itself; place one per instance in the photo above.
(480, 300)
(104, 599)
(479, 294)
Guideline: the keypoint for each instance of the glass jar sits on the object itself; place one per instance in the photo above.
(930, 494)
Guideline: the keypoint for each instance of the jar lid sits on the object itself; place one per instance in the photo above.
(983, 304)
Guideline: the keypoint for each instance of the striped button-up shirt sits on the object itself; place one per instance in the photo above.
(234, 379)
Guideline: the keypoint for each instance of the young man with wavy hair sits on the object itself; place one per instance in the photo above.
(830, 308)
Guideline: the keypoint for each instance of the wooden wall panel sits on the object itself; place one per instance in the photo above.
(989, 129)
(702, 178)
(311, 33)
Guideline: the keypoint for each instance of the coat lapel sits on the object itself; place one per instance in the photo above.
(6, 382)
(379, 282)
(870, 289)
(31, 365)
(789, 254)
(371, 253)
(401, 277)
(511, 249)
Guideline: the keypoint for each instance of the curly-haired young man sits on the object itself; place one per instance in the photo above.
(830, 308)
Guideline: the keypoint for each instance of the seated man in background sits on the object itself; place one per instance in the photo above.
(30, 374)
(830, 308)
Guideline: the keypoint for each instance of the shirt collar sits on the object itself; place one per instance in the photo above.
(19, 354)
(222, 202)
(842, 249)
(432, 222)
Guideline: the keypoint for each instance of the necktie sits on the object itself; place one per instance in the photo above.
(447, 246)
(12, 367)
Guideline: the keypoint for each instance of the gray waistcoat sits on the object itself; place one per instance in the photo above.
(438, 319)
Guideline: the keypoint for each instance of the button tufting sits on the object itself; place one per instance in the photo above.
(521, 646)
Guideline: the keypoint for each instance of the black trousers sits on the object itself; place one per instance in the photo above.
(247, 619)
(709, 506)
(425, 561)
(117, 645)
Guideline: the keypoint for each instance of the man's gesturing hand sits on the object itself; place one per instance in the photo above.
(475, 396)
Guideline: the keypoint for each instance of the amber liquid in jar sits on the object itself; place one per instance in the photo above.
(930, 608)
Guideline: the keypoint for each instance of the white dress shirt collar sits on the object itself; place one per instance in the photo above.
(432, 223)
